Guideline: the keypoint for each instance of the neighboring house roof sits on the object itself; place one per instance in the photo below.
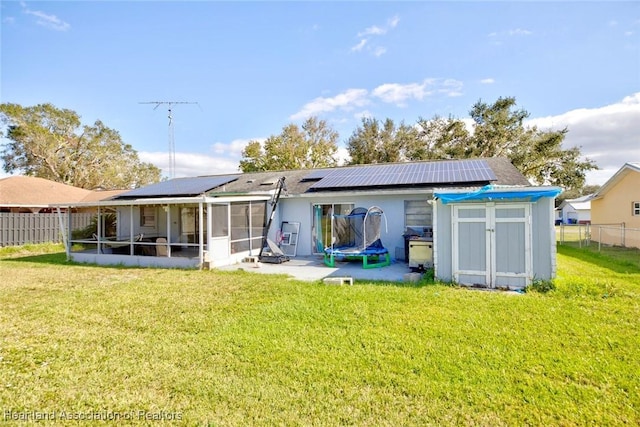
(461, 173)
(33, 192)
(626, 169)
(581, 206)
(578, 204)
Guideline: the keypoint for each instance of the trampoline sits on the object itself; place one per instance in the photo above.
(357, 236)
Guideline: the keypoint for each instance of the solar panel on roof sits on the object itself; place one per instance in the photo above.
(407, 174)
(180, 187)
(316, 174)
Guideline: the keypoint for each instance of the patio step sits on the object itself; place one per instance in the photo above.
(338, 280)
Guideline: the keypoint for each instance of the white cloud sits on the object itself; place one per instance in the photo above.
(343, 156)
(487, 81)
(451, 87)
(234, 148)
(191, 164)
(398, 94)
(372, 31)
(391, 93)
(608, 135)
(359, 46)
(379, 51)
(347, 100)
(48, 21)
(497, 37)
(519, 32)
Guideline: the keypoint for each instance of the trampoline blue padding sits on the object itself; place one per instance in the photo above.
(345, 253)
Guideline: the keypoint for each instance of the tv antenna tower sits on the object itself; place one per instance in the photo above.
(172, 143)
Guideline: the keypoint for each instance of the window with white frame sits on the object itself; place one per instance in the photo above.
(635, 208)
(147, 216)
(418, 214)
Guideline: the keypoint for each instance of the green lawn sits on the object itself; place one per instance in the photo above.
(213, 348)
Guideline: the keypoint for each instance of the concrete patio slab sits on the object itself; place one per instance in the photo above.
(314, 269)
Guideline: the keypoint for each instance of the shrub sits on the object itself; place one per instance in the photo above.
(541, 286)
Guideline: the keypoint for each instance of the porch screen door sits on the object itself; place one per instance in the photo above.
(492, 245)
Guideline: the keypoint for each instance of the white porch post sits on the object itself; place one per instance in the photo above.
(201, 233)
(99, 230)
(209, 230)
(168, 210)
(131, 230)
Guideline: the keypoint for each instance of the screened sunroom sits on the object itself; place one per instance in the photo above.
(184, 232)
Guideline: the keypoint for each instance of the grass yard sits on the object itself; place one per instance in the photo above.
(212, 348)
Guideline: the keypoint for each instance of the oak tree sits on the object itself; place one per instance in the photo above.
(382, 142)
(51, 143)
(314, 145)
(498, 130)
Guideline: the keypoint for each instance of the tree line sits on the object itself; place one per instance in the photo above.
(51, 143)
(495, 130)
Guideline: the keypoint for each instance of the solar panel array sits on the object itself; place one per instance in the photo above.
(180, 187)
(443, 172)
(317, 174)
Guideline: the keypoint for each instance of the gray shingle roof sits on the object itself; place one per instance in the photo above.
(302, 180)
(297, 181)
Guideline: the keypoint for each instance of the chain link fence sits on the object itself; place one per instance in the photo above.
(598, 234)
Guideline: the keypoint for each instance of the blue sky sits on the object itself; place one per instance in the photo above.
(254, 67)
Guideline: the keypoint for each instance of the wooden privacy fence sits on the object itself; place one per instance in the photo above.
(22, 228)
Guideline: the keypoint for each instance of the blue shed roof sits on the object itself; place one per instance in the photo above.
(488, 192)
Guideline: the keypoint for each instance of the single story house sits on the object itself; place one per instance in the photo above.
(488, 225)
(575, 211)
(27, 214)
(615, 207)
(30, 194)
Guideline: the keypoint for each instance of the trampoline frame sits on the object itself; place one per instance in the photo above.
(373, 256)
(331, 255)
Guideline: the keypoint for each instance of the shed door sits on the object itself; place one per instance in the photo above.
(492, 245)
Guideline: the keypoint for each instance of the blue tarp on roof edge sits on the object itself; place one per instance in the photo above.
(488, 193)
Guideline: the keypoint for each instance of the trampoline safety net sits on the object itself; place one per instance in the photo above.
(357, 235)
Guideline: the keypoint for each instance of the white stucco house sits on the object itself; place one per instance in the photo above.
(489, 226)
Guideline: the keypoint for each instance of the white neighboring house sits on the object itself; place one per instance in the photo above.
(575, 211)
